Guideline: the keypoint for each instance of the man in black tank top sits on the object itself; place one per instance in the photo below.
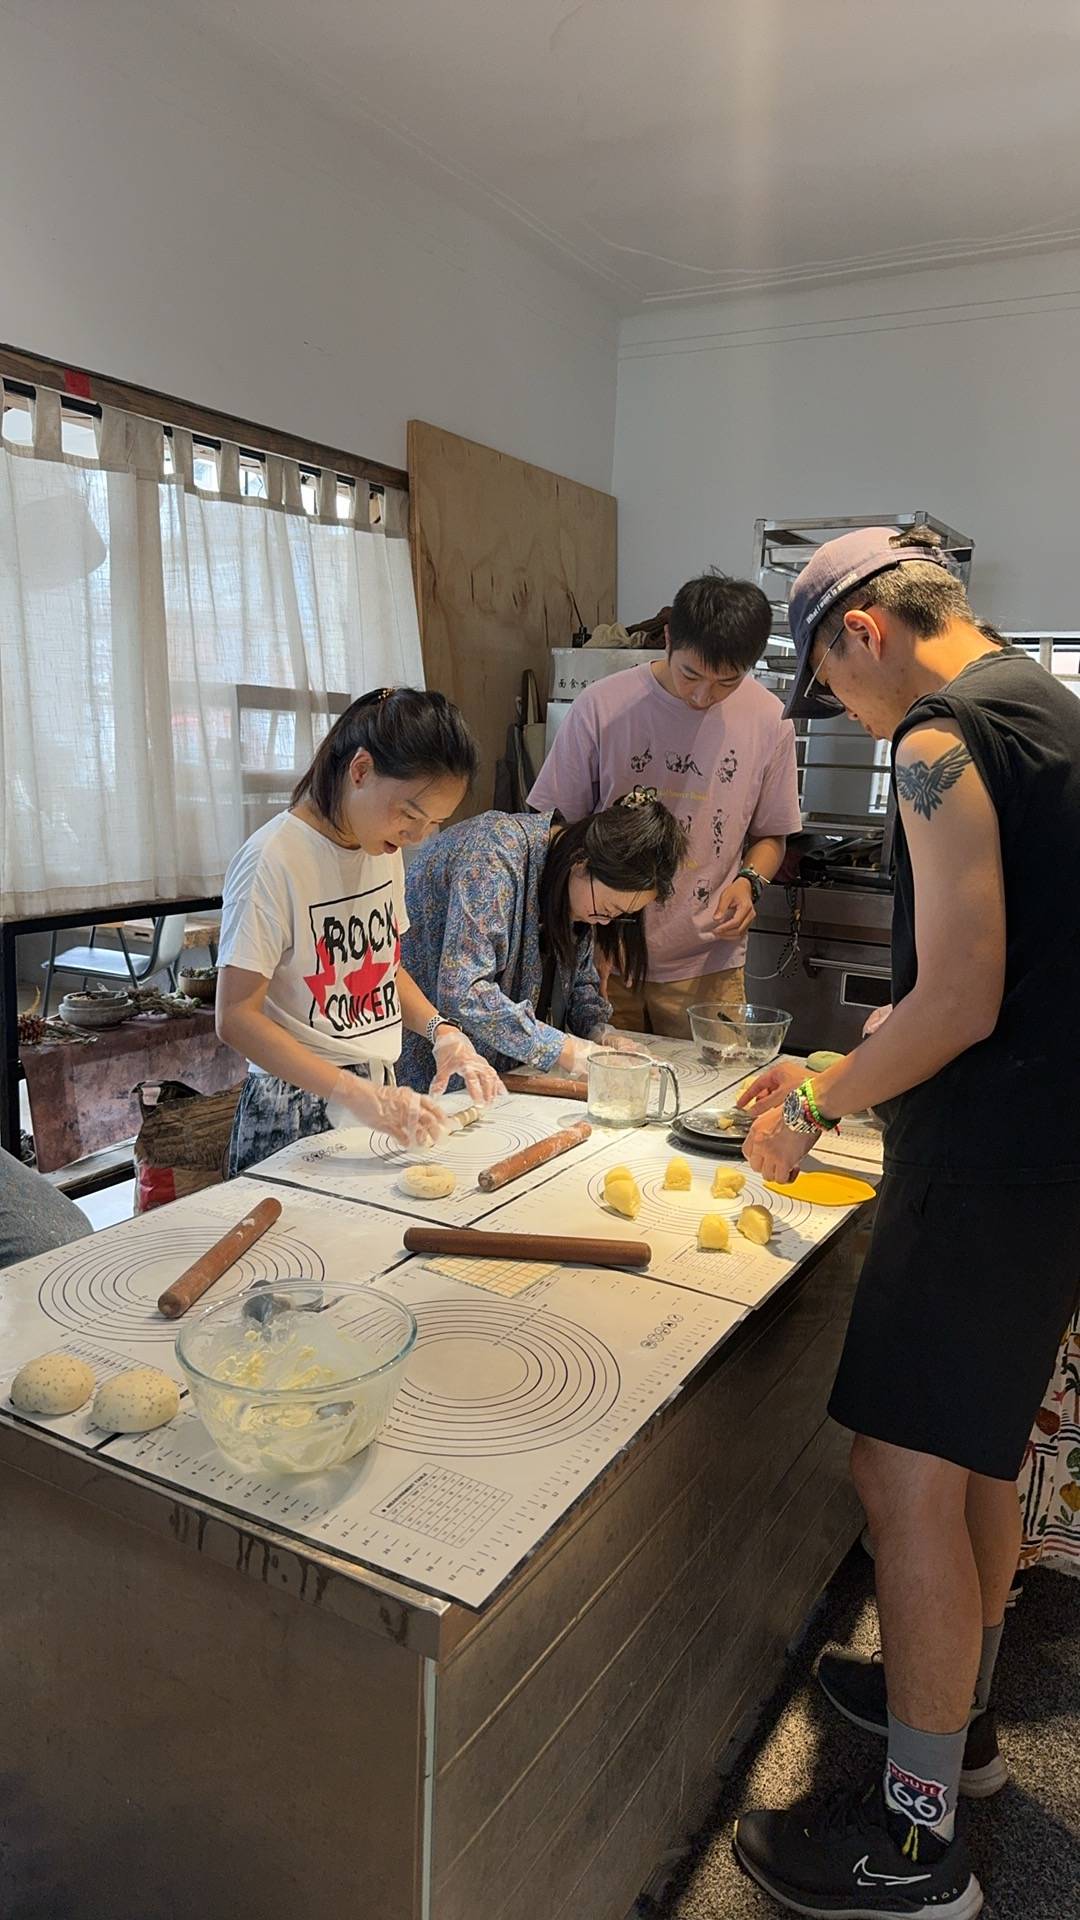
(973, 1265)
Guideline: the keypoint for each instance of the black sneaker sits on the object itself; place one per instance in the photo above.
(853, 1860)
(856, 1687)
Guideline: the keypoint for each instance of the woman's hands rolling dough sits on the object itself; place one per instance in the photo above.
(616, 1039)
(410, 1118)
(455, 1053)
(574, 1058)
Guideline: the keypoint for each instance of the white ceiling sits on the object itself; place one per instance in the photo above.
(669, 149)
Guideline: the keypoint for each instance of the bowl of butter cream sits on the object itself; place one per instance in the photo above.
(298, 1376)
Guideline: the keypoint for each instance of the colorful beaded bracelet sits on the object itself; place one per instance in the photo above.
(813, 1111)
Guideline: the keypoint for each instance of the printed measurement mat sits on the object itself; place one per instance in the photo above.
(668, 1220)
(859, 1143)
(357, 1164)
(508, 1411)
(98, 1297)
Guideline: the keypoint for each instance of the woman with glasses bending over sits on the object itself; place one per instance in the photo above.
(504, 910)
(311, 987)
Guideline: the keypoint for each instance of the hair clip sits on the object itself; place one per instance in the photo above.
(638, 797)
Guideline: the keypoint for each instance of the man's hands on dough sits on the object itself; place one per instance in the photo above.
(773, 1150)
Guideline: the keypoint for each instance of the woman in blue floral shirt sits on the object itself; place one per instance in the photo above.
(503, 911)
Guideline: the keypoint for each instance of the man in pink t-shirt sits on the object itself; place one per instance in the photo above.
(716, 746)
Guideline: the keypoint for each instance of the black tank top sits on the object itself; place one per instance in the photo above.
(1009, 1108)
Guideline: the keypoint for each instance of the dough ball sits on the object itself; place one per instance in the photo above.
(713, 1233)
(727, 1183)
(756, 1224)
(134, 1401)
(677, 1175)
(54, 1383)
(623, 1196)
(820, 1062)
(617, 1173)
(429, 1182)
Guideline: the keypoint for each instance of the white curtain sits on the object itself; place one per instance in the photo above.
(173, 646)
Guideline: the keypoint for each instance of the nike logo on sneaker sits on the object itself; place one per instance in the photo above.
(864, 1877)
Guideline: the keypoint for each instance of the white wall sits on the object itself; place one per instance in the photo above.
(956, 391)
(168, 218)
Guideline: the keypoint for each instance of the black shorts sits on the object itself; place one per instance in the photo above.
(958, 1314)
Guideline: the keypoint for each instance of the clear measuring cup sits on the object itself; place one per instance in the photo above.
(619, 1087)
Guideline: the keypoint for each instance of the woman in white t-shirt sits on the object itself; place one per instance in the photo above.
(311, 987)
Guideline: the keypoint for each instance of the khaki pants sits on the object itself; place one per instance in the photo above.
(660, 1005)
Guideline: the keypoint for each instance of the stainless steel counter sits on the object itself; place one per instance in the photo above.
(202, 1717)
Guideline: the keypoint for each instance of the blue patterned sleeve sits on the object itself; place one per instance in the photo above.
(479, 911)
(586, 1007)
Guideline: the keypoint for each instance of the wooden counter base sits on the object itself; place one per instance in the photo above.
(199, 1718)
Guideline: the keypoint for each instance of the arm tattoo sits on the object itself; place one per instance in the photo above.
(926, 786)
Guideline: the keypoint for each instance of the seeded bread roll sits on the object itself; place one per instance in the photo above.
(135, 1401)
(53, 1384)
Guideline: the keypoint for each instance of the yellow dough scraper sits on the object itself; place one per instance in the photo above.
(825, 1189)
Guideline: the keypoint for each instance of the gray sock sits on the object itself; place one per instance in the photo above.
(922, 1776)
(991, 1641)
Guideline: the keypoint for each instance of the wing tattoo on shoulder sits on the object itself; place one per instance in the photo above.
(925, 786)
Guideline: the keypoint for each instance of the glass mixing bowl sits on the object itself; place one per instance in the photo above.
(298, 1375)
(739, 1035)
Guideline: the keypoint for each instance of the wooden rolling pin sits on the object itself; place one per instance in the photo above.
(543, 1083)
(518, 1163)
(210, 1266)
(528, 1246)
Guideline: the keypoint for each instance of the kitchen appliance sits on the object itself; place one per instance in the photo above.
(574, 668)
(821, 939)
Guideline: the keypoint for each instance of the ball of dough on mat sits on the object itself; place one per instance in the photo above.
(623, 1196)
(756, 1223)
(429, 1182)
(677, 1175)
(54, 1383)
(617, 1173)
(726, 1183)
(821, 1061)
(713, 1234)
(135, 1401)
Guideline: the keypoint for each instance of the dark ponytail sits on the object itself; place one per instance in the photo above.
(409, 735)
(634, 846)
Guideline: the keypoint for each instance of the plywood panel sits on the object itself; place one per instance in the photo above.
(498, 547)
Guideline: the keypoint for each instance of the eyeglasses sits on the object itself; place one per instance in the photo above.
(616, 913)
(824, 695)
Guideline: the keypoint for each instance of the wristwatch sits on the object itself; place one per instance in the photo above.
(758, 882)
(796, 1116)
(438, 1020)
